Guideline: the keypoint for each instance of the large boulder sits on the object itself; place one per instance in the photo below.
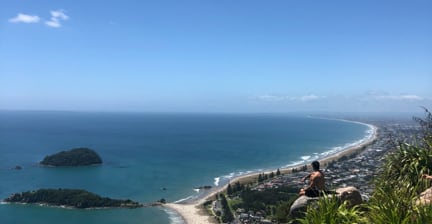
(350, 194)
(425, 198)
(299, 207)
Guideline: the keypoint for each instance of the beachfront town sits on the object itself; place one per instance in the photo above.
(357, 169)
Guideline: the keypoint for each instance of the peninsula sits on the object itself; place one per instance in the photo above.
(74, 198)
(205, 209)
(73, 157)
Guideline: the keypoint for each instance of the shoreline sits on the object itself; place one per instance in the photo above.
(192, 211)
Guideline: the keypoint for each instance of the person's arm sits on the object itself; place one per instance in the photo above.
(426, 176)
(304, 178)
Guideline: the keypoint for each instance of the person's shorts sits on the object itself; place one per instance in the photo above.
(312, 193)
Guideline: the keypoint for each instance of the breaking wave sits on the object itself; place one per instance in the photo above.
(174, 217)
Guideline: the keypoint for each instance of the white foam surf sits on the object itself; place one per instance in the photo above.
(229, 176)
(369, 134)
(305, 158)
(174, 217)
(185, 199)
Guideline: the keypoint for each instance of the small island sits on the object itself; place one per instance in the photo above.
(73, 157)
(70, 198)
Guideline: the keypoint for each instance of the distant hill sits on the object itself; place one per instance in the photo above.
(70, 198)
(73, 157)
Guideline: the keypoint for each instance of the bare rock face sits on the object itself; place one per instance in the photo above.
(425, 198)
(299, 207)
(350, 194)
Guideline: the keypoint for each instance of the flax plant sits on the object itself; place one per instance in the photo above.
(400, 182)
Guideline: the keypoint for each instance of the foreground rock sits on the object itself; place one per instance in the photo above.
(73, 157)
(425, 198)
(70, 198)
(350, 194)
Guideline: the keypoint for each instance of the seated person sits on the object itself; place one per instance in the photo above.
(317, 183)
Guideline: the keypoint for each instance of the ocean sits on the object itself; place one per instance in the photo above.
(149, 156)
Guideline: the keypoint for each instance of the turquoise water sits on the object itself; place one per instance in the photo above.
(144, 153)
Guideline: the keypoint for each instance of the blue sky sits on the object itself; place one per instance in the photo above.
(216, 56)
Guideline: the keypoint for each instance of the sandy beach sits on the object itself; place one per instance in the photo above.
(193, 211)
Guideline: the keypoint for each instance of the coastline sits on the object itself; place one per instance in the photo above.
(193, 212)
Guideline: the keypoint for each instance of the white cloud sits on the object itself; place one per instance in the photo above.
(305, 98)
(56, 17)
(268, 97)
(59, 14)
(310, 97)
(400, 97)
(24, 18)
(411, 97)
(386, 96)
(53, 23)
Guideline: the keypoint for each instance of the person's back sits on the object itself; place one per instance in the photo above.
(317, 180)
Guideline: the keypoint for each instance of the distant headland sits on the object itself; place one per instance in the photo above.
(73, 157)
(69, 198)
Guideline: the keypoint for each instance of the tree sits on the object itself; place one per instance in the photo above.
(260, 178)
(282, 211)
(227, 215)
(278, 172)
(229, 190)
(238, 187)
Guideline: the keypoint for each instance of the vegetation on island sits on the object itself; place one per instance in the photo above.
(394, 199)
(70, 198)
(73, 157)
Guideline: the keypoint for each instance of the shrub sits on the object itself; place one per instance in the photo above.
(329, 210)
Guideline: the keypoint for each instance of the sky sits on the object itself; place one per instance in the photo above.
(216, 55)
